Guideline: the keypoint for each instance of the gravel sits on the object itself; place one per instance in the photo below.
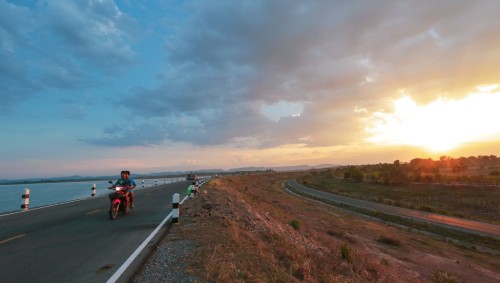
(168, 262)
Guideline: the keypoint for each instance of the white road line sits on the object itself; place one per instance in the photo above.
(12, 238)
(134, 255)
(50, 205)
(97, 210)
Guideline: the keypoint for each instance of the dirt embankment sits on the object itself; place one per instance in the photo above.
(248, 229)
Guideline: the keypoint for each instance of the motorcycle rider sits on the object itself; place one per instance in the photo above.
(128, 183)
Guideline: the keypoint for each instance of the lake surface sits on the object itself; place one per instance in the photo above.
(42, 194)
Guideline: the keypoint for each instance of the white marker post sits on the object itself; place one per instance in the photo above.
(175, 208)
(93, 190)
(25, 199)
(143, 184)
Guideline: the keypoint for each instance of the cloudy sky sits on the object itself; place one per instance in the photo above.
(93, 87)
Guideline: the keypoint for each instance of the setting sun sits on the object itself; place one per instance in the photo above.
(441, 125)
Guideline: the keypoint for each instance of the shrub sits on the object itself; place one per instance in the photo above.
(346, 252)
(426, 208)
(389, 241)
(494, 173)
(295, 223)
(442, 277)
(300, 274)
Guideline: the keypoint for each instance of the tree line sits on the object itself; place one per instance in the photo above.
(484, 169)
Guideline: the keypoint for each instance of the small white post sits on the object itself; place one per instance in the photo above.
(156, 182)
(143, 184)
(93, 190)
(25, 201)
(175, 208)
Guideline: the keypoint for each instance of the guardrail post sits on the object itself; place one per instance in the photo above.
(93, 190)
(25, 199)
(175, 208)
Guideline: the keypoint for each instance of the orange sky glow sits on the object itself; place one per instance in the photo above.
(441, 125)
(95, 87)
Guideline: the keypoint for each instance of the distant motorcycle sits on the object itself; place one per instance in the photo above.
(120, 201)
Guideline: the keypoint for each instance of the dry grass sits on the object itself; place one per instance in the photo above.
(241, 225)
(475, 202)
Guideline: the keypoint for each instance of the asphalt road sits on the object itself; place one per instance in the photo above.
(485, 229)
(77, 242)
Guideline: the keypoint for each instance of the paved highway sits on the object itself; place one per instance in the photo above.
(77, 242)
(453, 222)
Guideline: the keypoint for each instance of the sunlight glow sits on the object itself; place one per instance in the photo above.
(441, 125)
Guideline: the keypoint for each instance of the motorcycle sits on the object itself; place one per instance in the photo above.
(120, 201)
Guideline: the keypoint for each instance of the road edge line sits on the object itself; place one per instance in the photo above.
(139, 249)
(134, 255)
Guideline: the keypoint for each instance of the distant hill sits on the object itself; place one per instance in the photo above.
(76, 178)
(177, 173)
(283, 168)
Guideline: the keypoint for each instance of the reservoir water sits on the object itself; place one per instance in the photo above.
(42, 194)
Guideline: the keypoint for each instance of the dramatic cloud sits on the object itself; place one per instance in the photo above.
(227, 60)
(60, 45)
(257, 81)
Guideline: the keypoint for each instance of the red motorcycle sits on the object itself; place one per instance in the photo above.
(120, 201)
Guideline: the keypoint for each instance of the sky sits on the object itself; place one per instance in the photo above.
(94, 87)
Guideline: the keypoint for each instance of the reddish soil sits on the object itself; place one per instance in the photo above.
(242, 227)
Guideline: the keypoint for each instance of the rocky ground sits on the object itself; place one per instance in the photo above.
(249, 229)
